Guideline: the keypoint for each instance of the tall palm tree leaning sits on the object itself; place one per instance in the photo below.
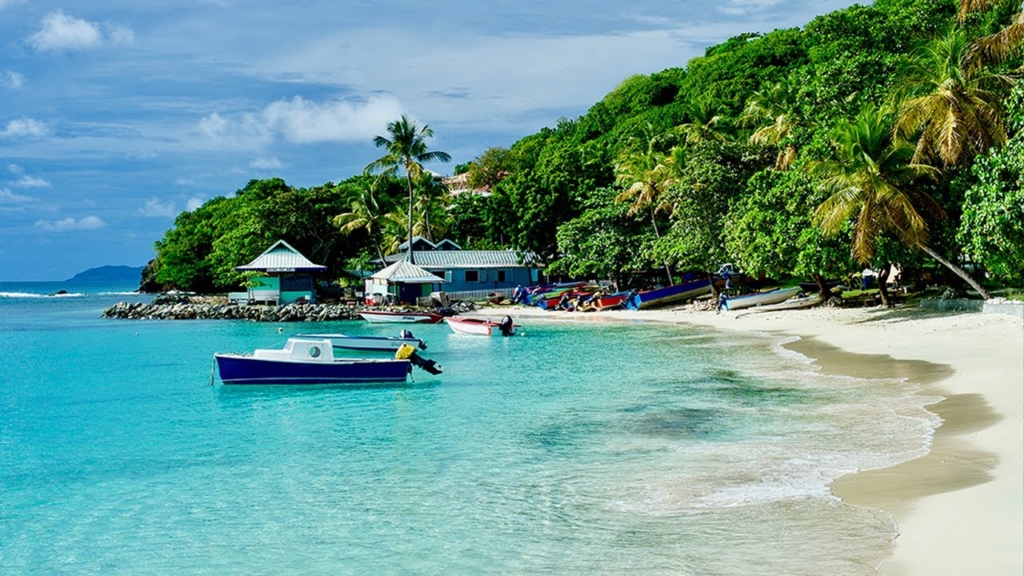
(999, 46)
(870, 180)
(406, 147)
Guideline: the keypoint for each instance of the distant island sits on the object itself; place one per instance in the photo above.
(109, 274)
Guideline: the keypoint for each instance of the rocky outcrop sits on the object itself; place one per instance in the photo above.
(187, 310)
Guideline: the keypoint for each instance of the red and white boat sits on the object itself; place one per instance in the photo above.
(400, 317)
(479, 326)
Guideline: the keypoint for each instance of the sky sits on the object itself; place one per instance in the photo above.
(118, 115)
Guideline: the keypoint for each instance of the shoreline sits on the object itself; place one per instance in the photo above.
(959, 508)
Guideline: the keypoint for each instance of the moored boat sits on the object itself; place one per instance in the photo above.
(795, 303)
(312, 361)
(480, 326)
(667, 295)
(380, 316)
(760, 299)
(369, 343)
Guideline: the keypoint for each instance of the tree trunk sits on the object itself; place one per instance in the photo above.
(823, 288)
(408, 179)
(657, 235)
(883, 285)
(956, 270)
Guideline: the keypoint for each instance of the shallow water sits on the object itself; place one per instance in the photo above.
(589, 448)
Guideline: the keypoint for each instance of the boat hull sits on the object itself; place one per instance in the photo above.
(472, 326)
(667, 295)
(237, 369)
(762, 299)
(401, 317)
(792, 304)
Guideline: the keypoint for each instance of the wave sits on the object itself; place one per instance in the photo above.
(34, 295)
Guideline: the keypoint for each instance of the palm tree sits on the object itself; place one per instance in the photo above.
(870, 181)
(367, 212)
(705, 119)
(407, 148)
(999, 46)
(958, 115)
(433, 195)
(645, 176)
(770, 110)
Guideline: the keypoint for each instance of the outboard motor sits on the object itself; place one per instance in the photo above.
(407, 352)
(505, 326)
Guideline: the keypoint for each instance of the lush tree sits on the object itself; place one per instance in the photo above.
(872, 181)
(406, 147)
(489, 168)
(645, 176)
(771, 111)
(958, 114)
(367, 212)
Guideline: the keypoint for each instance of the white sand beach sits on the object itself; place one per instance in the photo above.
(960, 508)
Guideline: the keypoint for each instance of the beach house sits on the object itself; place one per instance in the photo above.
(471, 273)
(288, 277)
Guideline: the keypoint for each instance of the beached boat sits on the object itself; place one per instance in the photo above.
(608, 301)
(795, 303)
(312, 361)
(760, 299)
(667, 295)
(400, 317)
(479, 326)
(369, 343)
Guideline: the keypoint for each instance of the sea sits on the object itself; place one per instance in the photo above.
(572, 448)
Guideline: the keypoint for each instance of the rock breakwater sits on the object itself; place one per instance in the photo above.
(225, 311)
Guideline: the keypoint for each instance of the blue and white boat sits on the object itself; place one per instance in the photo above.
(312, 361)
(667, 295)
(369, 343)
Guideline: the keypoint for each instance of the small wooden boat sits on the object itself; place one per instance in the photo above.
(400, 317)
(368, 343)
(760, 299)
(794, 303)
(312, 361)
(809, 287)
(609, 301)
(479, 326)
(667, 295)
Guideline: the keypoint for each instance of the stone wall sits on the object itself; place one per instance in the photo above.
(186, 310)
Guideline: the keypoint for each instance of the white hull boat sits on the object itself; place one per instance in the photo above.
(369, 343)
(761, 299)
(792, 304)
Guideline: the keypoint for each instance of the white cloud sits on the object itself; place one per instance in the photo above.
(23, 127)
(266, 164)
(8, 197)
(12, 80)
(15, 169)
(302, 121)
(156, 209)
(32, 182)
(67, 224)
(61, 31)
(193, 203)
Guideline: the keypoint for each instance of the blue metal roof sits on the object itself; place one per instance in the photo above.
(450, 259)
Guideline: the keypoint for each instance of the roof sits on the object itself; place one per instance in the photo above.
(448, 259)
(415, 240)
(403, 271)
(281, 257)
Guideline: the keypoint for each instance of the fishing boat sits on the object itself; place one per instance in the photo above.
(479, 326)
(609, 301)
(380, 316)
(795, 303)
(312, 361)
(760, 299)
(369, 343)
(667, 295)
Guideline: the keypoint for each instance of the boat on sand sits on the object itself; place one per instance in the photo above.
(667, 295)
(760, 298)
(795, 303)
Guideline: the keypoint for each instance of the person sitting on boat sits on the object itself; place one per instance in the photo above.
(518, 294)
(564, 303)
(577, 304)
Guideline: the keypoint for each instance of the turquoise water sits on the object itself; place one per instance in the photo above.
(578, 448)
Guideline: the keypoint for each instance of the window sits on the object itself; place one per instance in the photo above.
(501, 275)
(472, 276)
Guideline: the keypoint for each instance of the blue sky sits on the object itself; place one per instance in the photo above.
(117, 115)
